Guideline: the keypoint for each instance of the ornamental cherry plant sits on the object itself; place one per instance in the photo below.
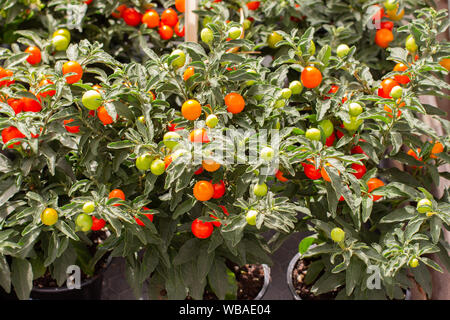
(365, 212)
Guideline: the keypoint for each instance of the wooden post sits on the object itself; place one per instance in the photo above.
(191, 21)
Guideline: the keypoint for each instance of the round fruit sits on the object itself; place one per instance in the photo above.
(11, 133)
(206, 35)
(247, 24)
(72, 67)
(296, 87)
(97, 224)
(337, 235)
(169, 17)
(49, 216)
(267, 153)
(189, 72)
(400, 67)
(199, 135)
(260, 190)
(219, 190)
(445, 63)
(273, 39)
(117, 193)
(253, 5)
(180, 60)
(396, 92)
(119, 11)
(171, 139)
(327, 127)
(157, 167)
(280, 177)
(342, 50)
(235, 102)
(414, 263)
(310, 171)
(144, 162)
(151, 19)
(395, 15)
(202, 230)
(60, 43)
(384, 37)
(50, 92)
(355, 109)
(180, 5)
(387, 85)
(165, 32)
(353, 125)
(279, 103)
(84, 222)
(212, 121)
(311, 77)
(210, 165)
(191, 110)
(360, 170)
(410, 44)
(35, 55)
(286, 93)
(104, 116)
(16, 105)
(251, 216)
(391, 4)
(424, 206)
(437, 148)
(88, 207)
(373, 184)
(330, 140)
(148, 215)
(234, 33)
(313, 134)
(203, 190)
(71, 129)
(92, 99)
(31, 105)
(62, 32)
(131, 16)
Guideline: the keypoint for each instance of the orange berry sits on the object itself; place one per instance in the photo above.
(384, 37)
(104, 116)
(35, 55)
(400, 67)
(180, 5)
(311, 77)
(199, 135)
(280, 177)
(235, 102)
(72, 66)
(203, 190)
(210, 165)
(191, 110)
(151, 19)
(373, 184)
(169, 17)
(189, 72)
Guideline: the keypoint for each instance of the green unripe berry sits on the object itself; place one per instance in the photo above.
(424, 206)
(337, 235)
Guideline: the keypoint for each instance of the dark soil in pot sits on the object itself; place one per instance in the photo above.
(304, 290)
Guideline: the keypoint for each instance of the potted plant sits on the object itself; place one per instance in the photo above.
(354, 192)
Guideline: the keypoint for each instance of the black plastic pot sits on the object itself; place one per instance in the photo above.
(267, 279)
(291, 285)
(90, 289)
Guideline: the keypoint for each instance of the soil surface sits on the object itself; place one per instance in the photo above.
(97, 237)
(303, 289)
(249, 278)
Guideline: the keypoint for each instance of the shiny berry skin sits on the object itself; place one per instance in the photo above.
(202, 230)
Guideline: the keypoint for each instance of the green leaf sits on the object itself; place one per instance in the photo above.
(22, 278)
(305, 244)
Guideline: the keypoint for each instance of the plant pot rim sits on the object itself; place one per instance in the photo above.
(290, 269)
(267, 278)
(84, 283)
